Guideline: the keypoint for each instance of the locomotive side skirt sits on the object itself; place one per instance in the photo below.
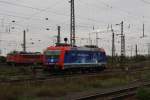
(86, 65)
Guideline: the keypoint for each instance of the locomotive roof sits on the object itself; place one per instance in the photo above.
(24, 53)
(75, 48)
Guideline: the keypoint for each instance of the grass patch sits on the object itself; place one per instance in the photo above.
(10, 71)
(55, 88)
(61, 87)
(143, 94)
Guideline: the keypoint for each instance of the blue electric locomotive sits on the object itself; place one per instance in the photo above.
(63, 58)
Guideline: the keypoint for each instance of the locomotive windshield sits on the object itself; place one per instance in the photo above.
(52, 52)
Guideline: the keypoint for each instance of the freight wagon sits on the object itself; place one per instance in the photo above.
(22, 58)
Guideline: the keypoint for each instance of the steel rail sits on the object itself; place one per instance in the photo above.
(23, 78)
(115, 93)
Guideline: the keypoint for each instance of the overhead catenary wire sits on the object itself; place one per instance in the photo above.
(89, 19)
(44, 9)
(84, 22)
(26, 18)
(145, 1)
(19, 5)
(40, 10)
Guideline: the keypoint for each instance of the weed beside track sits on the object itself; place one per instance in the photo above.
(45, 86)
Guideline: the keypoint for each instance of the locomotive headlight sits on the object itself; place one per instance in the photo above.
(52, 60)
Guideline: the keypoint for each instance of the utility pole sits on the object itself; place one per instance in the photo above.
(113, 44)
(136, 50)
(131, 50)
(58, 36)
(122, 43)
(24, 41)
(148, 49)
(143, 30)
(97, 39)
(72, 24)
(93, 28)
(89, 39)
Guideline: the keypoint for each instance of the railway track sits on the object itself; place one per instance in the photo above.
(47, 77)
(115, 93)
(4, 64)
(111, 94)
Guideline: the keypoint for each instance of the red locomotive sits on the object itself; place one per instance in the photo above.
(24, 58)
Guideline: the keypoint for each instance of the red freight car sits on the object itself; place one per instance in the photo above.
(24, 58)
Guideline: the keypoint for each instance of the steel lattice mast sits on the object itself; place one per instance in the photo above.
(72, 24)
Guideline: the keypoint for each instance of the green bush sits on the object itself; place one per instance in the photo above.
(127, 59)
(2, 59)
(143, 94)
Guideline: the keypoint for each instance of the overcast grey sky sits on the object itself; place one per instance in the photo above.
(30, 15)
